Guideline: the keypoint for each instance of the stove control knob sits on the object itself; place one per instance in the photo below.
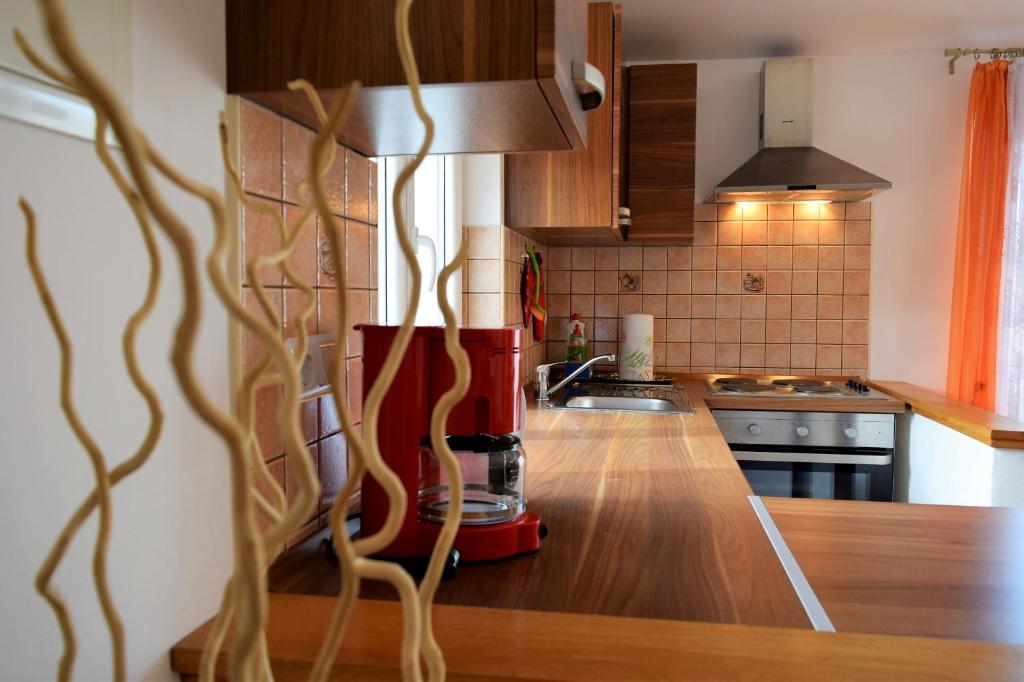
(802, 431)
(850, 432)
(754, 430)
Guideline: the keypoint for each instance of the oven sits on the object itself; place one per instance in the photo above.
(821, 455)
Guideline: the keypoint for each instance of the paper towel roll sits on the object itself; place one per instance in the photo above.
(636, 348)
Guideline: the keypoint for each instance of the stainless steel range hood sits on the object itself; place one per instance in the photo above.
(787, 168)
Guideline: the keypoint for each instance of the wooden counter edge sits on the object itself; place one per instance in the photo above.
(978, 423)
(481, 643)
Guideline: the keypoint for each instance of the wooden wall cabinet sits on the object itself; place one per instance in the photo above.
(567, 197)
(497, 74)
(659, 149)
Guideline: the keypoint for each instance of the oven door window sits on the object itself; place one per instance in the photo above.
(819, 481)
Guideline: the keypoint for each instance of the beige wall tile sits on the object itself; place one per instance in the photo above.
(606, 258)
(752, 354)
(779, 282)
(805, 281)
(261, 151)
(558, 281)
(705, 233)
(654, 304)
(754, 257)
(830, 232)
(779, 307)
(558, 305)
(804, 331)
(606, 305)
(777, 331)
(805, 232)
(855, 307)
(830, 281)
(606, 282)
(679, 257)
(729, 282)
(830, 308)
(755, 211)
(677, 305)
(702, 306)
(802, 355)
(827, 357)
(805, 257)
(702, 330)
(704, 258)
(677, 330)
(857, 282)
(730, 233)
(727, 306)
(805, 211)
(830, 257)
(631, 258)
(678, 354)
(780, 211)
(753, 306)
(832, 211)
(729, 257)
(804, 307)
(655, 258)
(629, 304)
(752, 331)
(780, 232)
(582, 282)
(559, 258)
(860, 210)
(857, 257)
(830, 331)
(776, 355)
(483, 276)
(606, 329)
(755, 233)
(582, 257)
(855, 356)
(704, 281)
(485, 310)
(858, 232)
(678, 282)
(855, 332)
(654, 282)
(780, 257)
(730, 212)
(702, 354)
(582, 304)
(727, 355)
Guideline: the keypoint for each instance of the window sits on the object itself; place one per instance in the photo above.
(432, 215)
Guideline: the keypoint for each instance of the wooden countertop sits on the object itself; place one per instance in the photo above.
(505, 644)
(648, 516)
(978, 423)
(936, 571)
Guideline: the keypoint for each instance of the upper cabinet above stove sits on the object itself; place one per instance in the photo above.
(497, 74)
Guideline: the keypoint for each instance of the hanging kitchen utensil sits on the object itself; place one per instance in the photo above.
(540, 295)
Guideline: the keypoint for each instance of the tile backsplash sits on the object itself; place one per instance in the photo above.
(274, 156)
(765, 288)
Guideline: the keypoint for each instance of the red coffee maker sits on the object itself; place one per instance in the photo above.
(481, 432)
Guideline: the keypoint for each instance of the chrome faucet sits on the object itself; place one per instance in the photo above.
(542, 375)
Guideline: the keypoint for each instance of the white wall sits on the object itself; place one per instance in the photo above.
(170, 549)
(899, 116)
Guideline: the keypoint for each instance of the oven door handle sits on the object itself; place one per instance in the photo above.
(812, 457)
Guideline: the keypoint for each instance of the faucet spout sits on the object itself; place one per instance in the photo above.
(543, 392)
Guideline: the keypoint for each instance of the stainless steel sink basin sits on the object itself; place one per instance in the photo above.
(620, 403)
(623, 397)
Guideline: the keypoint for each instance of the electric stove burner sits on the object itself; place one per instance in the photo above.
(823, 389)
(795, 383)
(736, 381)
(752, 387)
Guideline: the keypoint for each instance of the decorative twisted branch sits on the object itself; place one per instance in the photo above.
(244, 596)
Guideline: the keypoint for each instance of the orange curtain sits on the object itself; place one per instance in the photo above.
(970, 376)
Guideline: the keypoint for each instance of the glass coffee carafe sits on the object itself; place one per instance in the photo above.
(493, 472)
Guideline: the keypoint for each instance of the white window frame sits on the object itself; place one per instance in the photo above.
(396, 281)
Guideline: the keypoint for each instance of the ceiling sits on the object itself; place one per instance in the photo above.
(661, 30)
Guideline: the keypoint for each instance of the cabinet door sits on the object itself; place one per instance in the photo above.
(662, 127)
(570, 189)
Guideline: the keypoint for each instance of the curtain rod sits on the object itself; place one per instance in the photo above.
(995, 53)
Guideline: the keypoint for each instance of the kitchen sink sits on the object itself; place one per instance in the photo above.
(625, 397)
